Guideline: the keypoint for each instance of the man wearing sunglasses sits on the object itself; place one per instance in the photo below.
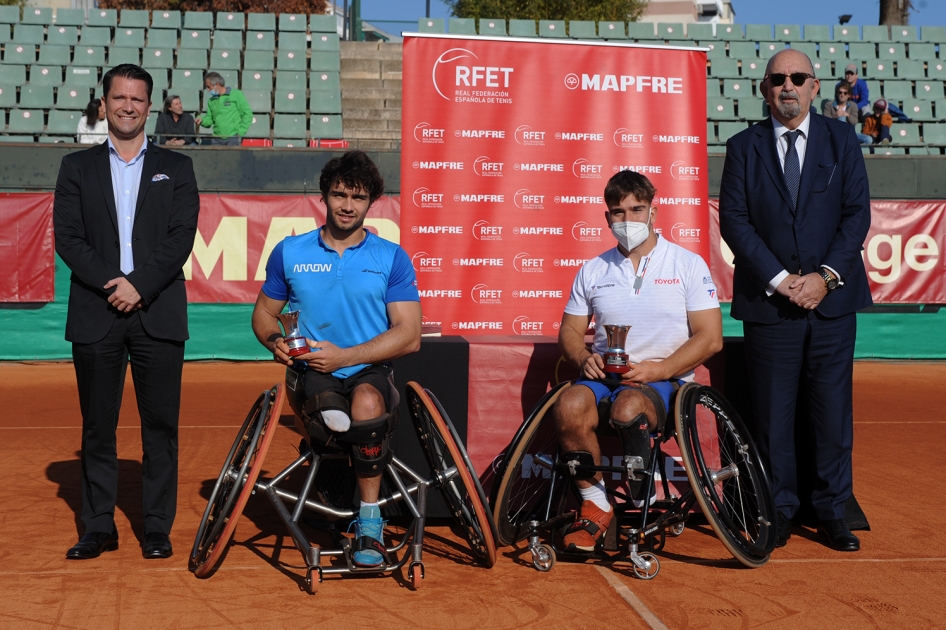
(795, 208)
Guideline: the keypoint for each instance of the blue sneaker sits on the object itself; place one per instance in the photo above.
(369, 548)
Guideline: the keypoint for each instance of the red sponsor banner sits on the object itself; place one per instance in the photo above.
(26, 247)
(506, 148)
(903, 253)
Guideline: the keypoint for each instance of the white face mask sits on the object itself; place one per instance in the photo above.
(631, 234)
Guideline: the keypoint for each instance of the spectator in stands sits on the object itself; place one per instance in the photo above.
(228, 113)
(843, 108)
(93, 127)
(174, 127)
(877, 125)
(860, 94)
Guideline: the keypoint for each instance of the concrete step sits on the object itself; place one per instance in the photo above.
(370, 50)
(386, 94)
(357, 113)
(362, 103)
(374, 145)
(371, 83)
(372, 124)
(366, 67)
(375, 134)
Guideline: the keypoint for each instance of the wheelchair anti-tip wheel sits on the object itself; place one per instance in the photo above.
(543, 557)
(462, 491)
(727, 477)
(236, 481)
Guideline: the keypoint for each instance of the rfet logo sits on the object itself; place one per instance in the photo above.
(581, 231)
(484, 167)
(425, 263)
(680, 170)
(423, 132)
(424, 198)
(527, 136)
(584, 169)
(472, 83)
(482, 294)
(525, 263)
(483, 231)
(624, 138)
(527, 200)
(682, 233)
(522, 325)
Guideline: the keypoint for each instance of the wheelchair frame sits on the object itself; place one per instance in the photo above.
(452, 473)
(729, 483)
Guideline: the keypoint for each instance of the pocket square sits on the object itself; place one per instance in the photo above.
(160, 177)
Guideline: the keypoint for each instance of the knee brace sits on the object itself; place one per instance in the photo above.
(313, 412)
(369, 440)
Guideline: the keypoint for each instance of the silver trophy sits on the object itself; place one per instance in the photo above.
(616, 360)
(293, 335)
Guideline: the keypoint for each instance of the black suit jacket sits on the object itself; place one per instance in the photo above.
(767, 235)
(86, 229)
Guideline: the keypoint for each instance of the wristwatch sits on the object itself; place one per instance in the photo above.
(830, 282)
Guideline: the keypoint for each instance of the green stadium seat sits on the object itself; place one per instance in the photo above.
(193, 59)
(717, 50)
(129, 38)
(913, 69)
(12, 75)
(809, 48)
(462, 26)
(892, 50)
(231, 21)
(89, 56)
(224, 59)
(62, 35)
(493, 26)
(259, 128)
(888, 150)
(875, 33)
(585, 29)
(325, 42)
(289, 126)
(199, 21)
(695, 30)
(45, 75)
(292, 22)
(681, 43)
(903, 33)
(95, 36)
(17, 138)
(190, 98)
(922, 151)
(157, 58)
(64, 122)
(862, 51)
(28, 34)
(259, 80)
(919, 110)
(55, 55)
(5, 31)
(750, 108)
(898, 90)
(742, 50)
(288, 80)
(552, 28)
(230, 76)
(522, 28)
(753, 68)
(323, 23)
(157, 100)
(228, 40)
(430, 25)
(724, 68)
(324, 62)
(19, 54)
(737, 88)
(325, 102)
(166, 19)
(611, 30)
(879, 69)
(195, 39)
(937, 70)
(846, 33)
(712, 87)
(261, 22)
(787, 32)
(187, 79)
(9, 14)
(922, 52)
(716, 149)
(150, 125)
(935, 34)
(768, 49)
(118, 55)
(320, 81)
(670, 30)
(258, 60)
(929, 90)
(293, 41)
(873, 86)
(261, 40)
(905, 133)
(730, 32)
(728, 129)
(103, 17)
(710, 131)
(641, 30)
(935, 134)
(294, 143)
(817, 33)
(72, 97)
(162, 38)
(325, 126)
(7, 96)
(25, 121)
(831, 50)
(290, 102)
(822, 67)
(290, 60)
(134, 18)
(37, 15)
(259, 100)
(718, 108)
(80, 76)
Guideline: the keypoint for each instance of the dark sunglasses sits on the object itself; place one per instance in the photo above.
(798, 78)
(843, 92)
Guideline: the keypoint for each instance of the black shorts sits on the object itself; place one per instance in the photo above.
(380, 376)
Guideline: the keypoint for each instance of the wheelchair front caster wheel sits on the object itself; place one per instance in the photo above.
(415, 573)
(646, 565)
(313, 577)
(543, 558)
(676, 529)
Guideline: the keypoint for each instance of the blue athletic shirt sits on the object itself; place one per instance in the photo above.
(342, 299)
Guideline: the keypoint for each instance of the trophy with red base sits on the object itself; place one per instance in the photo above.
(616, 360)
(294, 337)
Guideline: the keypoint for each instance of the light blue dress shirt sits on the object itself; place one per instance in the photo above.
(126, 176)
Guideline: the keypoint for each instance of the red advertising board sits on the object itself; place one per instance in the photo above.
(26, 247)
(506, 149)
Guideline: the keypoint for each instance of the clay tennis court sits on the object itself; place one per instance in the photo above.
(897, 580)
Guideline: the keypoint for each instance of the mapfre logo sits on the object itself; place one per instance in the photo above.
(480, 133)
(522, 325)
(471, 198)
(484, 167)
(583, 169)
(529, 137)
(441, 293)
(425, 263)
(525, 263)
(678, 201)
(478, 262)
(483, 231)
(584, 233)
(436, 229)
(680, 170)
(423, 132)
(526, 200)
(539, 230)
(437, 166)
(482, 294)
(540, 167)
(643, 169)
(477, 325)
(572, 81)
(624, 138)
(529, 294)
(570, 262)
(471, 83)
(682, 233)
(424, 198)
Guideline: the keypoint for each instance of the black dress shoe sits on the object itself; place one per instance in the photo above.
(92, 545)
(156, 546)
(784, 530)
(838, 536)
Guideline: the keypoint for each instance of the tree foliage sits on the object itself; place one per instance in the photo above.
(597, 10)
(237, 6)
(895, 12)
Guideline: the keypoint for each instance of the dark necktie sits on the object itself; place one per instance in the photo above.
(792, 169)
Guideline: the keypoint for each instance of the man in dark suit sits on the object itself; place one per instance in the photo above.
(794, 208)
(125, 218)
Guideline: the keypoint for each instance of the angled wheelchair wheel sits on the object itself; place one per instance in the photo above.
(236, 481)
(444, 451)
(524, 481)
(726, 474)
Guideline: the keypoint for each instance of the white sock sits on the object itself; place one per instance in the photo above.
(336, 420)
(369, 506)
(596, 495)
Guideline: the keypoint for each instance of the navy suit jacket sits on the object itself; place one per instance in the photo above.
(767, 235)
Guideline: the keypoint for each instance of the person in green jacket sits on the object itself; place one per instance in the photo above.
(227, 112)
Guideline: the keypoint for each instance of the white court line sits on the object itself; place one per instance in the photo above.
(633, 600)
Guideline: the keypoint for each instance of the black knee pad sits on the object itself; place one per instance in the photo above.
(369, 440)
(635, 437)
(312, 413)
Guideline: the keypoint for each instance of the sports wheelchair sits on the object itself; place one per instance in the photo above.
(328, 487)
(533, 496)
